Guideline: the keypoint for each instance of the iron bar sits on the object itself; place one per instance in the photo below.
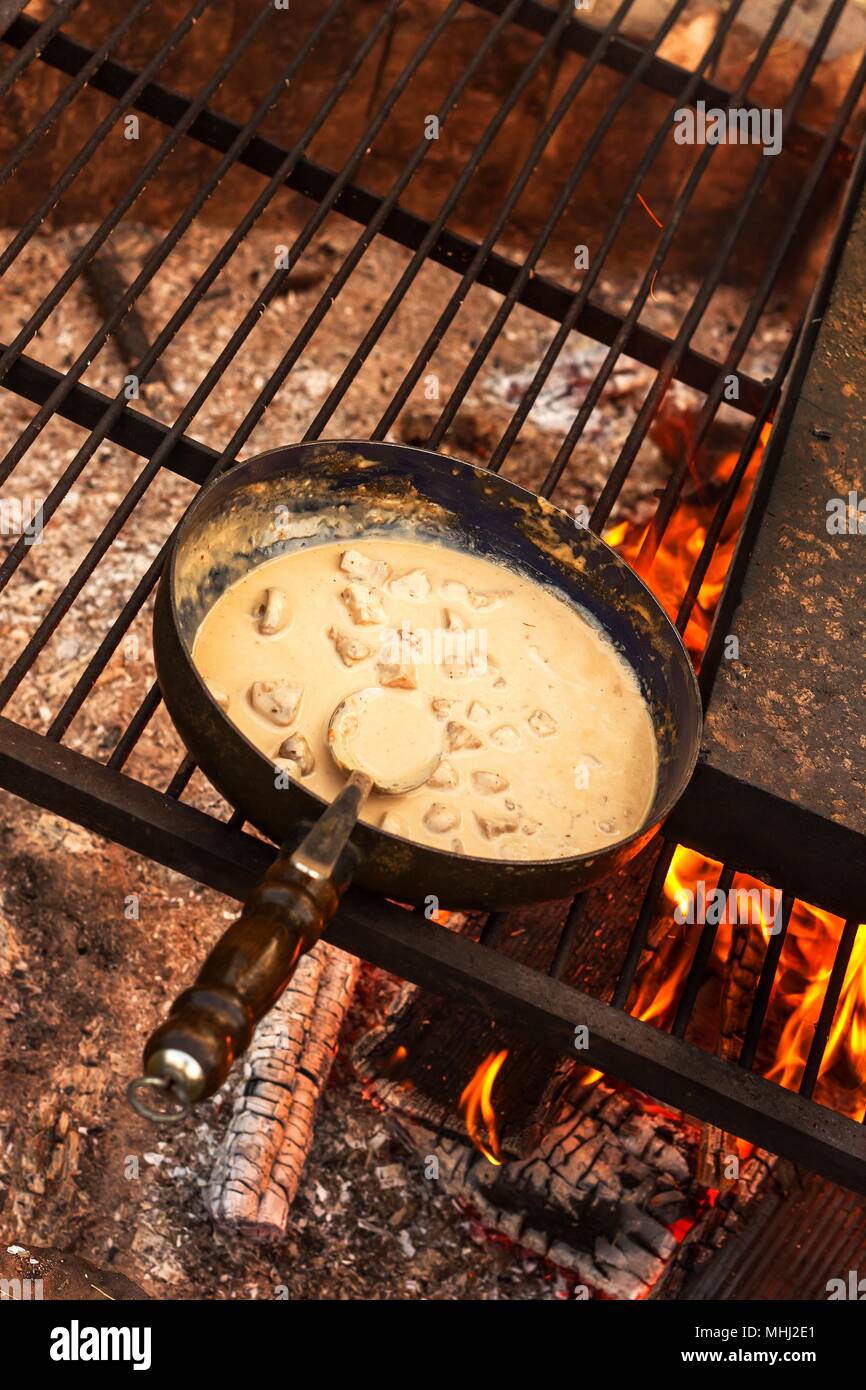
(646, 916)
(470, 275)
(733, 484)
(156, 258)
(70, 91)
(663, 379)
(540, 293)
(443, 961)
(700, 961)
(565, 944)
(696, 175)
(72, 170)
(39, 34)
(409, 273)
(758, 1011)
(812, 1068)
(756, 308)
(661, 75)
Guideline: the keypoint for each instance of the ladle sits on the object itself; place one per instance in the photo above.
(384, 739)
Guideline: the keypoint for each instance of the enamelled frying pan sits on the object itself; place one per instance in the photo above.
(310, 494)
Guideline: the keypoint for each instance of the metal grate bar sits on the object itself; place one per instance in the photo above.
(72, 89)
(733, 484)
(404, 282)
(829, 1004)
(637, 939)
(758, 1011)
(81, 158)
(84, 406)
(472, 272)
(563, 456)
(661, 74)
(701, 960)
(326, 299)
(151, 265)
(674, 484)
(38, 36)
(532, 391)
(109, 223)
(694, 315)
(456, 252)
(565, 944)
(435, 958)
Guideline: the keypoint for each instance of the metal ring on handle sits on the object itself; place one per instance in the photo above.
(143, 1091)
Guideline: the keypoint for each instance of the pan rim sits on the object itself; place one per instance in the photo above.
(645, 830)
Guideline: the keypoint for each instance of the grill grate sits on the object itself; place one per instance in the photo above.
(48, 758)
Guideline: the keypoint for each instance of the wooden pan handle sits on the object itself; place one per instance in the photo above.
(190, 1054)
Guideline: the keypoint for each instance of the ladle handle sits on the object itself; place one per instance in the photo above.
(211, 1024)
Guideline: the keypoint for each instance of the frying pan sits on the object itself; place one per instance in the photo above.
(312, 494)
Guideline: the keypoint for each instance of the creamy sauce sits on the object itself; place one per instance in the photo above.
(547, 745)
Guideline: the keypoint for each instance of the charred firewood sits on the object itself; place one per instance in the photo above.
(256, 1175)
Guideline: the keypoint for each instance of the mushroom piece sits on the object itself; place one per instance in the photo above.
(278, 701)
(390, 823)
(398, 673)
(489, 783)
(440, 818)
(453, 621)
(457, 736)
(442, 708)
(272, 611)
(454, 590)
(217, 694)
(499, 681)
(492, 827)
(414, 585)
(477, 712)
(297, 751)
(443, 776)
(350, 649)
(364, 604)
(491, 599)
(542, 724)
(506, 736)
(359, 566)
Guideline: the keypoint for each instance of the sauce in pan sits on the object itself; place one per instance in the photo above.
(547, 744)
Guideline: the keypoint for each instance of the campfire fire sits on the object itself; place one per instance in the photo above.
(667, 572)
(807, 954)
(801, 978)
(810, 943)
(478, 1109)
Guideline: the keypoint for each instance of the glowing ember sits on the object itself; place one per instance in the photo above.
(477, 1105)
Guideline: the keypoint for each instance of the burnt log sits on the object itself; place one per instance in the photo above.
(256, 1175)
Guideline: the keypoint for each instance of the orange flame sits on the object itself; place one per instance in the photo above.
(810, 943)
(476, 1102)
(804, 970)
(798, 990)
(667, 573)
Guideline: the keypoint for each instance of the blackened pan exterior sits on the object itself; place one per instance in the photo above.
(312, 493)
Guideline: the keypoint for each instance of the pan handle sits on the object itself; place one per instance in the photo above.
(189, 1055)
